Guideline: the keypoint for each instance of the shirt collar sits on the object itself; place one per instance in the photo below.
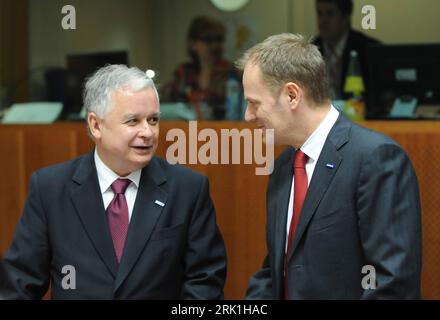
(314, 144)
(106, 176)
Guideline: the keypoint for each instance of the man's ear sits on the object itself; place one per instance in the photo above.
(293, 94)
(94, 125)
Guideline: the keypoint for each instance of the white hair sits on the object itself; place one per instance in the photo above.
(99, 87)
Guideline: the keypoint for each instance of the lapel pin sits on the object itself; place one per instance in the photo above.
(160, 203)
(330, 166)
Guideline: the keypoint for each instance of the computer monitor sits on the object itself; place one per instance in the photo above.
(81, 66)
(403, 76)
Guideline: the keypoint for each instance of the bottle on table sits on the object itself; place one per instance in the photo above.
(354, 107)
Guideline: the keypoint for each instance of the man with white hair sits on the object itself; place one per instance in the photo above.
(118, 223)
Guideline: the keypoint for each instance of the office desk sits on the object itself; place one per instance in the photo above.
(238, 194)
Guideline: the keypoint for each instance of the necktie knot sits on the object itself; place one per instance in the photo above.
(300, 159)
(120, 185)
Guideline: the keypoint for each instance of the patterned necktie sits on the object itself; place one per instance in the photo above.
(299, 194)
(117, 215)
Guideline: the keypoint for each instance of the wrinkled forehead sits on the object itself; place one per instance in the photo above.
(254, 83)
(130, 91)
(127, 99)
(251, 73)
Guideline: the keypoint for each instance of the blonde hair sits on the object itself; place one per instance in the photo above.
(290, 57)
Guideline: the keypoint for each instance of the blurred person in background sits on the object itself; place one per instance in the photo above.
(337, 39)
(202, 81)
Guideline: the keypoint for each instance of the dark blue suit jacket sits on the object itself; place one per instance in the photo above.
(363, 211)
(171, 252)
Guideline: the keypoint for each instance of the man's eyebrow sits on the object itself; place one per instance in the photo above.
(135, 115)
(156, 114)
(130, 115)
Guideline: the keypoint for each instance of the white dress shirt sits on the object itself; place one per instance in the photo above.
(312, 148)
(106, 177)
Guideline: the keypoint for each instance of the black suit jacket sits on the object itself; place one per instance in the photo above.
(355, 41)
(5, 284)
(363, 211)
(173, 251)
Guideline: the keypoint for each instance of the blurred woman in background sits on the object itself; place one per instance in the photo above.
(202, 81)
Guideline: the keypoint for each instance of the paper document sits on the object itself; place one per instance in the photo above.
(33, 112)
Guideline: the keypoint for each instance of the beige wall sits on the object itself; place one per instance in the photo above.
(172, 17)
(101, 25)
(154, 31)
(397, 21)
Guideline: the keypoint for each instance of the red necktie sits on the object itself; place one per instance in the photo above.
(117, 215)
(299, 194)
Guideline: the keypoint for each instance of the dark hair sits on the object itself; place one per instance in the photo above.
(206, 29)
(203, 26)
(345, 6)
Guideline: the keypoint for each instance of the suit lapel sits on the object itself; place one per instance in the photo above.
(87, 201)
(322, 175)
(280, 207)
(145, 215)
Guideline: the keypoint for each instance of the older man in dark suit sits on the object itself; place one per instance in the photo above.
(343, 209)
(118, 223)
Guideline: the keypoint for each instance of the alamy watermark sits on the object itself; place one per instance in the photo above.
(369, 19)
(222, 149)
(369, 280)
(69, 20)
(68, 282)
